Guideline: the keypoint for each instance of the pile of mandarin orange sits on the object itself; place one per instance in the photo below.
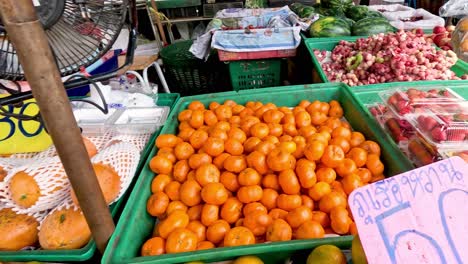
(239, 175)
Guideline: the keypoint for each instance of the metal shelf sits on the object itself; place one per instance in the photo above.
(186, 19)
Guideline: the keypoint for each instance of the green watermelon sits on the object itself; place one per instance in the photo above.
(370, 26)
(372, 13)
(308, 11)
(330, 12)
(341, 5)
(357, 13)
(330, 27)
(295, 7)
(349, 21)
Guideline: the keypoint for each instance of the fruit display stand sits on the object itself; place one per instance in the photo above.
(89, 249)
(460, 68)
(125, 244)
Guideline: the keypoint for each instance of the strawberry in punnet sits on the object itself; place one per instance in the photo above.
(438, 134)
(460, 117)
(433, 92)
(392, 100)
(446, 119)
(456, 135)
(422, 122)
(430, 123)
(400, 96)
(403, 107)
(405, 125)
(412, 92)
(419, 110)
(414, 97)
(382, 108)
(426, 123)
(423, 94)
(374, 111)
(444, 93)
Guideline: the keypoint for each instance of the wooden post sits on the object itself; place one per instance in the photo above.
(28, 37)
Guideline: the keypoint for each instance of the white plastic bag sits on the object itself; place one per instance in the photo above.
(396, 14)
(454, 8)
(198, 30)
(390, 8)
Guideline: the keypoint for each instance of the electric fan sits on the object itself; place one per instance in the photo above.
(79, 33)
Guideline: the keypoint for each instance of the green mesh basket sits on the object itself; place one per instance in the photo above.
(189, 75)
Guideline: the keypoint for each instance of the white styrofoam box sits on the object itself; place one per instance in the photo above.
(138, 120)
(92, 120)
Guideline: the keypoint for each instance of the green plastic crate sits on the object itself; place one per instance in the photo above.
(250, 74)
(136, 224)
(188, 75)
(88, 251)
(459, 68)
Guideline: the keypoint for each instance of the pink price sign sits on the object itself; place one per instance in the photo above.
(420, 216)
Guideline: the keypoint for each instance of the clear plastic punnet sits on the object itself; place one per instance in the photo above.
(448, 153)
(403, 101)
(442, 129)
(398, 128)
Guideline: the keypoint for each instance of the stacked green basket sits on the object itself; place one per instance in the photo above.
(189, 75)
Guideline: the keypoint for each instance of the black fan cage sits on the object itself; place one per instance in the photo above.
(79, 33)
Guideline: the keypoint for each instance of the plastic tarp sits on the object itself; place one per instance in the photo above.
(257, 40)
(396, 14)
(245, 30)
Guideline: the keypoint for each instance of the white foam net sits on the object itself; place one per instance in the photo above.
(120, 151)
(123, 157)
(8, 164)
(51, 178)
(100, 141)
(23, 155)
(139, 140)
(39, 216)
